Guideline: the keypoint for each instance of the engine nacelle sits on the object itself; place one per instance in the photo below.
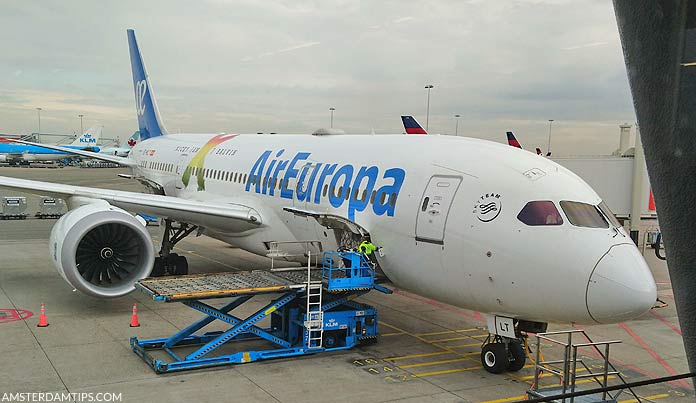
(101, 250)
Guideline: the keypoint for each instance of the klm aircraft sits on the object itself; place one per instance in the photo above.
(23, 153)
(472, 223)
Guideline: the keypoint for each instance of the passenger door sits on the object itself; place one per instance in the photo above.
(434, 208)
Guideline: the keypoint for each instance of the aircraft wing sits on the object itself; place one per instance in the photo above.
(234, 217)
(89, 154)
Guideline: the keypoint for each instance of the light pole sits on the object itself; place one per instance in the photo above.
(332, 109)
(456, 124)
(427, 109)
(38, 110)
(548, 148)
(81, 131)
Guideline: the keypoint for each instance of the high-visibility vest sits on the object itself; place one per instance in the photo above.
(366, 247)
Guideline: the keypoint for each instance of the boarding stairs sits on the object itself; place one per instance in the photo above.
(573, 369)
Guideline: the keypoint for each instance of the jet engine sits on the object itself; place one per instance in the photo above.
(101, 250)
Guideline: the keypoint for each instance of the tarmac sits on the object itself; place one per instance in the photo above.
(427, 352)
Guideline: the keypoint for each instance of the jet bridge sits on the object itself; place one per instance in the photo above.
(311, 311)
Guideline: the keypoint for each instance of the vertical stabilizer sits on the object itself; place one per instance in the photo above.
(89, 138)
(512, 140)
(149, 120)
(412, 126)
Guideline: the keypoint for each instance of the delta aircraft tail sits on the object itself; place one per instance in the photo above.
(412, 126)
(512, 140)
(149, 120)
(90, 138)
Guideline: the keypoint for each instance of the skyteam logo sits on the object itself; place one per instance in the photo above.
(316, 181)
(140, 90)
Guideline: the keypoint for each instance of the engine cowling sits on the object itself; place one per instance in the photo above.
(101, 250)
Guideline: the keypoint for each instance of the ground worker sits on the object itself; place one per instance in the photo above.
(367, 247)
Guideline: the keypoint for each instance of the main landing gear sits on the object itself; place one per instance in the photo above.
(168, 263)
(504, 348)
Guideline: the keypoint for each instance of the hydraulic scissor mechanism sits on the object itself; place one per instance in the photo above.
(504, 348)
(168, 263)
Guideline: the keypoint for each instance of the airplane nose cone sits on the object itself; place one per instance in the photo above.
(621, 286)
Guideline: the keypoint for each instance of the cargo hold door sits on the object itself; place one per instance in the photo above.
(435, 207)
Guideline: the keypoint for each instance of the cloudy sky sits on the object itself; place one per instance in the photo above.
(277, 66)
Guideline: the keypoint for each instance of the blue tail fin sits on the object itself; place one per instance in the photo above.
(149, 120)
(411, 126)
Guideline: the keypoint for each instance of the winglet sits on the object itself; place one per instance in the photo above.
(412, 126)
(149, 120)
(512, 140)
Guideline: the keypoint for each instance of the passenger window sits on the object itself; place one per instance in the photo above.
(326, 189)
(583, 215)
(372, 197)
(542, 212)
(392, 200)
(347, 193)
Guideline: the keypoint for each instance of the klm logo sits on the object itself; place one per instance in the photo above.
(311, 179)
(87, 138)
(140, 91)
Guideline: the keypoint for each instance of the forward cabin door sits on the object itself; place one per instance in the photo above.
(434, 208)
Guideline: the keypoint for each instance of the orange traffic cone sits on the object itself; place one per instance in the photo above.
(42, 317)
(134, 318)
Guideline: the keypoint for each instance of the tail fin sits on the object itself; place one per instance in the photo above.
(133, 140)
(149, 120)
(89, 138)
(512, 140)
(411, 126)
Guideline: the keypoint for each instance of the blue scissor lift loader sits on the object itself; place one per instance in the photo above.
(312, 311)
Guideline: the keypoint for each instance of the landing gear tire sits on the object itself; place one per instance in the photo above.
(517, 356)
(172, 265)
(180, 266)
(494, 358)
(158, 267)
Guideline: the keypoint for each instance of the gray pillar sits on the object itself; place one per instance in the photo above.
(659, 43)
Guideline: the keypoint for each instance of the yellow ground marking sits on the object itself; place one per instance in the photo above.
(653, 397)
(522, 397)
(426, 341)
(431, 363)
(466, 345)
(506, 399)
(407, 357)
(547, 374)
(473, 329)
(391, 334)
(449, 339)
(447, 371)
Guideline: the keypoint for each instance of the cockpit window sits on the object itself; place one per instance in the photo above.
(583, 215)
(609, 214)
(541, 212)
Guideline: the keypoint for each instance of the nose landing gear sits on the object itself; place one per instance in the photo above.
(503, 350)
(502, 354)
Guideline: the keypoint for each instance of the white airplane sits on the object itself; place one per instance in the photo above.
(472, 223)
(124, 149)
(21, 153)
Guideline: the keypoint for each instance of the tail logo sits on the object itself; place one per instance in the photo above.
(140, 90)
